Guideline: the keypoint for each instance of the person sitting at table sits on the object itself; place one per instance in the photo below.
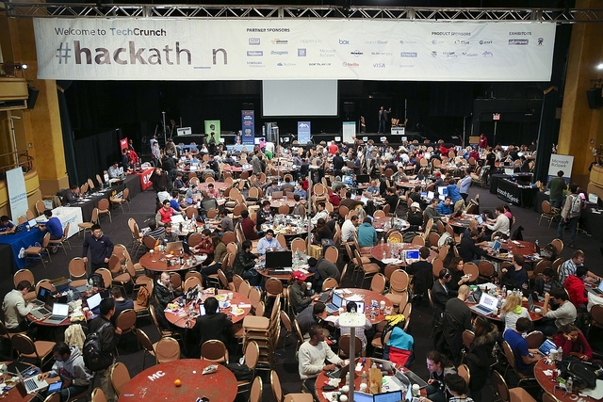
(349, 228)
(349, 202)
(6, 226)
(314, 314)
(351, 307)
(164, 290)
(415, 216)
(299, 208)
(114, 171)
(73, 194)
(441, 293)
(500, 223)
(474, 224)
(525, 358)
(299, 190)
(52, 225)
(438, 368)
(69, 366)
(445, 206)
(264, 215)
(121, 303)
(298, 292)
(574, 285)
(214, 325)
(547, 281)
(248, 227)
(214, 264)
(287, 186)
(431, 211)
(508, 212)
(15, 308)
(455, 319)
(457, 387)
(273, 188)
(322, 231)
(367, 235)
(225, 224)
(570, 266)
(439, 180)
(573, 342)
(312, 355)
(244, 264)
(391, 198)
(322, 269)
(268, 243)
(512, 310)
(191, 192)
(517, 276)
(422, 272)
(205, 246)
(165, 213)
(334, 198)
(321, 212)
(212, 191)
(565, 314)
(458, 275)
(101, 248)
(179, 184)
(374, 187)
(470, 250)
(162, 196)
(170, 235)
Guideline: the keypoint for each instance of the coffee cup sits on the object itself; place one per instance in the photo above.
(230, 295)
(416, 390)
(363, 387)
(382, 305)
(309, 285)
(537, 310)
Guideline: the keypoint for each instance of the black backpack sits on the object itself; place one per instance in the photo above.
(97, 281)
(94, 357)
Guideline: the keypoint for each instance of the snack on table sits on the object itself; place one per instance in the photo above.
(210, 369)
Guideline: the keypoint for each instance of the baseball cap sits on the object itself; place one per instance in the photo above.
(437, 174)
(415, 205)
(299, 275)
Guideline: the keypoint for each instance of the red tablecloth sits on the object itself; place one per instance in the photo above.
(144, 177)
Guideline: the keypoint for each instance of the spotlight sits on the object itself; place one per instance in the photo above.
(600, 66)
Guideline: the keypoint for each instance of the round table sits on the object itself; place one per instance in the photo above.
(462, 221)
(377, 251)
(217, 185)
(157, 261)
(16, 393)
(548, 383)
(399, 224)
(157, 383)
(182, 319)
(409, 184)
(524, 248)
(367, 296)
(290, 228)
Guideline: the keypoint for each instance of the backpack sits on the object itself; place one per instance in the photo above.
(143, 296)
(94, 357)
(576, 205)
(445, 239)
(97, 281)
(240, 371)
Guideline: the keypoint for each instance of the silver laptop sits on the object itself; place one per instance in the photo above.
(40, 313)
(598, 290)
(60, 312)
(175, 246)
(32, 384)
(487, 305)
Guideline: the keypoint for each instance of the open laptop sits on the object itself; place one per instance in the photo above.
(174, 246)
(411, 256)
(359, 305)
(363, 178)
(32, 384)
(93, 302)
(348, 180)
(32, 222)
(532, 307)
(362, 397)
(487, 305)
(335, 303)
(409, 376)
(42, 297)
(392, 396)
(475, 296)
(546, 347)
(496, 245)
(480, 220)
(60, 312)
(598, 290)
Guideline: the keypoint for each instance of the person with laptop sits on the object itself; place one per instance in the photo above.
(6, 226)
(564, 314)
(69, 366)
(268, 243)
(100, 246)
(422, 272)
(438, 368)
(52, 225)
(244, 264)
(574, 285)
(322, 269)
(516, 277)
(573, 342)
(512, 310)
(500, 223)
(570, 266)
(470, 249)
(298, 292)
(445, 207)
(547, 281)
(441, 293)
(165, 213)
(214, 325)
(156, 232)
(15, 308)
(349, 202)
(314, 314)
(226, 224)
(164, 290)
(109, 338)
(312, 356)
(525, 358)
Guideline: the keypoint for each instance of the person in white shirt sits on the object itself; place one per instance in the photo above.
(500, 223)
(268, 242)
(16, 309)
(322, 213)
(312, 355)
(349, 228)
(114, 171)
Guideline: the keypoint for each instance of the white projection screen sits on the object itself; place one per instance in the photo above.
(309, 98)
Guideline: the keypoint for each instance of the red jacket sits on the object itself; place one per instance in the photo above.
(580, 346)
(575, 290)
(334, 199)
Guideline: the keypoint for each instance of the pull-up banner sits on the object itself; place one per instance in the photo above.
(171, 49)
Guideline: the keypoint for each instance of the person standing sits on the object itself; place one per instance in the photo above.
(383, 116)
(456, 319)
(69, 366)
(556, 187)
(101, 248)
(109, 338)
(441, 293)
(16, 309)
(570, 214)
(312, 356)
(482, 143)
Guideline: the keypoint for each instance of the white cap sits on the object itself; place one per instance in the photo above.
(415, 205)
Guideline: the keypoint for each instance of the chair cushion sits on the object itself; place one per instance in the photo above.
(125, 277)
(298, 397)
(33, 250)
(44, 347)
(252, 322)
(371, 268)
(395, 299)
(520, 395)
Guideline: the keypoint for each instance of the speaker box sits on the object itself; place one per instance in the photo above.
(33, 97)
(595, 101)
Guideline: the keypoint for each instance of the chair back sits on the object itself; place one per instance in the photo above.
(252, 354)
(244, 288)
(167, 350)
(500, 385)
(486, 269)
(23, 275)
(596, 313)
(191, 282)
(119, 377)
(275, 385)
(558, 243)
(399, 281)
(254, 296)
(274, 287)
(329, 283)
(345, 344)
(40, 207)
(215, 351)
(298, 244)
(98, 396)
(534, 339)
(509, 354)
(468, 337)
(103, 204)
(255, 394)
(437, 265)
(222, 277)
(195, 239)
(379, 214)
(332, 254)
(23, 345)
(237, 280)
(471, 269)
(378, 283)
(463, 371)
(229, 237)
(282, 240)
(149, 242)
(54, 397)
(126, 320)
(144, 340)
(418, 241)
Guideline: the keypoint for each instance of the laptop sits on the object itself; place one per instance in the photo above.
(598, 290)
(413, 378)
(32, 384)
(531, 304)
(593, 198)
(42, 297)
(174, 246)
(279, 259)
(359, 305)
(475, 296)
(362, 178)
(362, 397)
(480, 220)
(60, 312)
(496, 246)
(336, 301)
(93, 302)
(32, 222)
(411, 256)
(177, 218)
(392, 396)
(546, 347)
(348, 180)
(324, 297)
(487, 305)
(430, 195)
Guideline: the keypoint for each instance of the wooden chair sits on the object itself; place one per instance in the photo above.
(277, 391)
(124, 199)
(38, 350)
(378, 283)
(344, 345)
(463, 371)
(298, 244)
(88, 225)
(510, 356)
(508, 395)
(54, 397)
(214, 351)
(369, 269)
(119, 377)
(167, 350)
(147, 346)
(471, 269)
(126, 320)
(251, 355)
(25, 275)
(98, 396)
(549, 212)
(40, 207)
(282, 240)
(104, 208)
(332, 254)
(39, 251)
(255, 394)
(534, 339)
(329, 283)
(398, 288)
(558, 243)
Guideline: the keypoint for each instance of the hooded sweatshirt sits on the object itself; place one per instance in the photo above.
(72, 369)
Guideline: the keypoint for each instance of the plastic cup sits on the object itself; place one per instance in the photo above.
(416, 390)
(537, 310)
(230, 295)
(363, 387)
(382, 305)
(309, 285)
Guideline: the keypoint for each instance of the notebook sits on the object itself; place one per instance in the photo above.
(546, 347)
(60, 312)
(487, 305)
(177, 218)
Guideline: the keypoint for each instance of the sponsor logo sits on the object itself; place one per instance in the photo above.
(255, 53)
(406, 66)
(381, 53)
(519, 33)
(378, 65)
(319, 64)
(255, 64)
(466, 54)
(356, 53)
(407, 42)
(409, 54)
(449, 54)
(344, 41)
(346, 64)
(510, 197)
(485, 42)
(540, 41)
(285, 64)
(434, 54)
(461, 42)
(254, 41)
(310, 41)
(303, 125)
(487, 54)
(280, 41)
(518, 41)
(435, 42)
(301, 52)
(327, 52)
(375, 42)
(278, 52)
(449, 33)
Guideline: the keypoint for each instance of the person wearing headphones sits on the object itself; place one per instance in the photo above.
(441, 293)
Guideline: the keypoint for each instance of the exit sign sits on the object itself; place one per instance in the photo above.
(496, 116)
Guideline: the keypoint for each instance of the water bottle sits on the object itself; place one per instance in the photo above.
(559, 354)
(504, 291)
(569, 384)
(537, 247)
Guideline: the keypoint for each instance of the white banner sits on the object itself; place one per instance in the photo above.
(561, 162)
(170, 49)
(348, 128)
(17, 194)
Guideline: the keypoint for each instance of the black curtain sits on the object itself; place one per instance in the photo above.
(96, 153)
(70, 160)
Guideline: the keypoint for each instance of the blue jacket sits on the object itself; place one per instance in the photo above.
(454, 193)
(367, 235)
(444, 209)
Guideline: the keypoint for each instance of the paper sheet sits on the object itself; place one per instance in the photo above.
(596, 393)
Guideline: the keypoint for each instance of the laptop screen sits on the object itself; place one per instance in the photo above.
(488, 301)
(394, 396)
(361, 397)
(546, 347)
(480, 220)
(363, 178)
(43, 294)
(496, 246)
(349, 180)
(279, 259)
(601, 286)
(32, 222)
(93, 301)
(337, 299)
(411, 254)
(60, 309)
(359, 305)
(593, 198)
